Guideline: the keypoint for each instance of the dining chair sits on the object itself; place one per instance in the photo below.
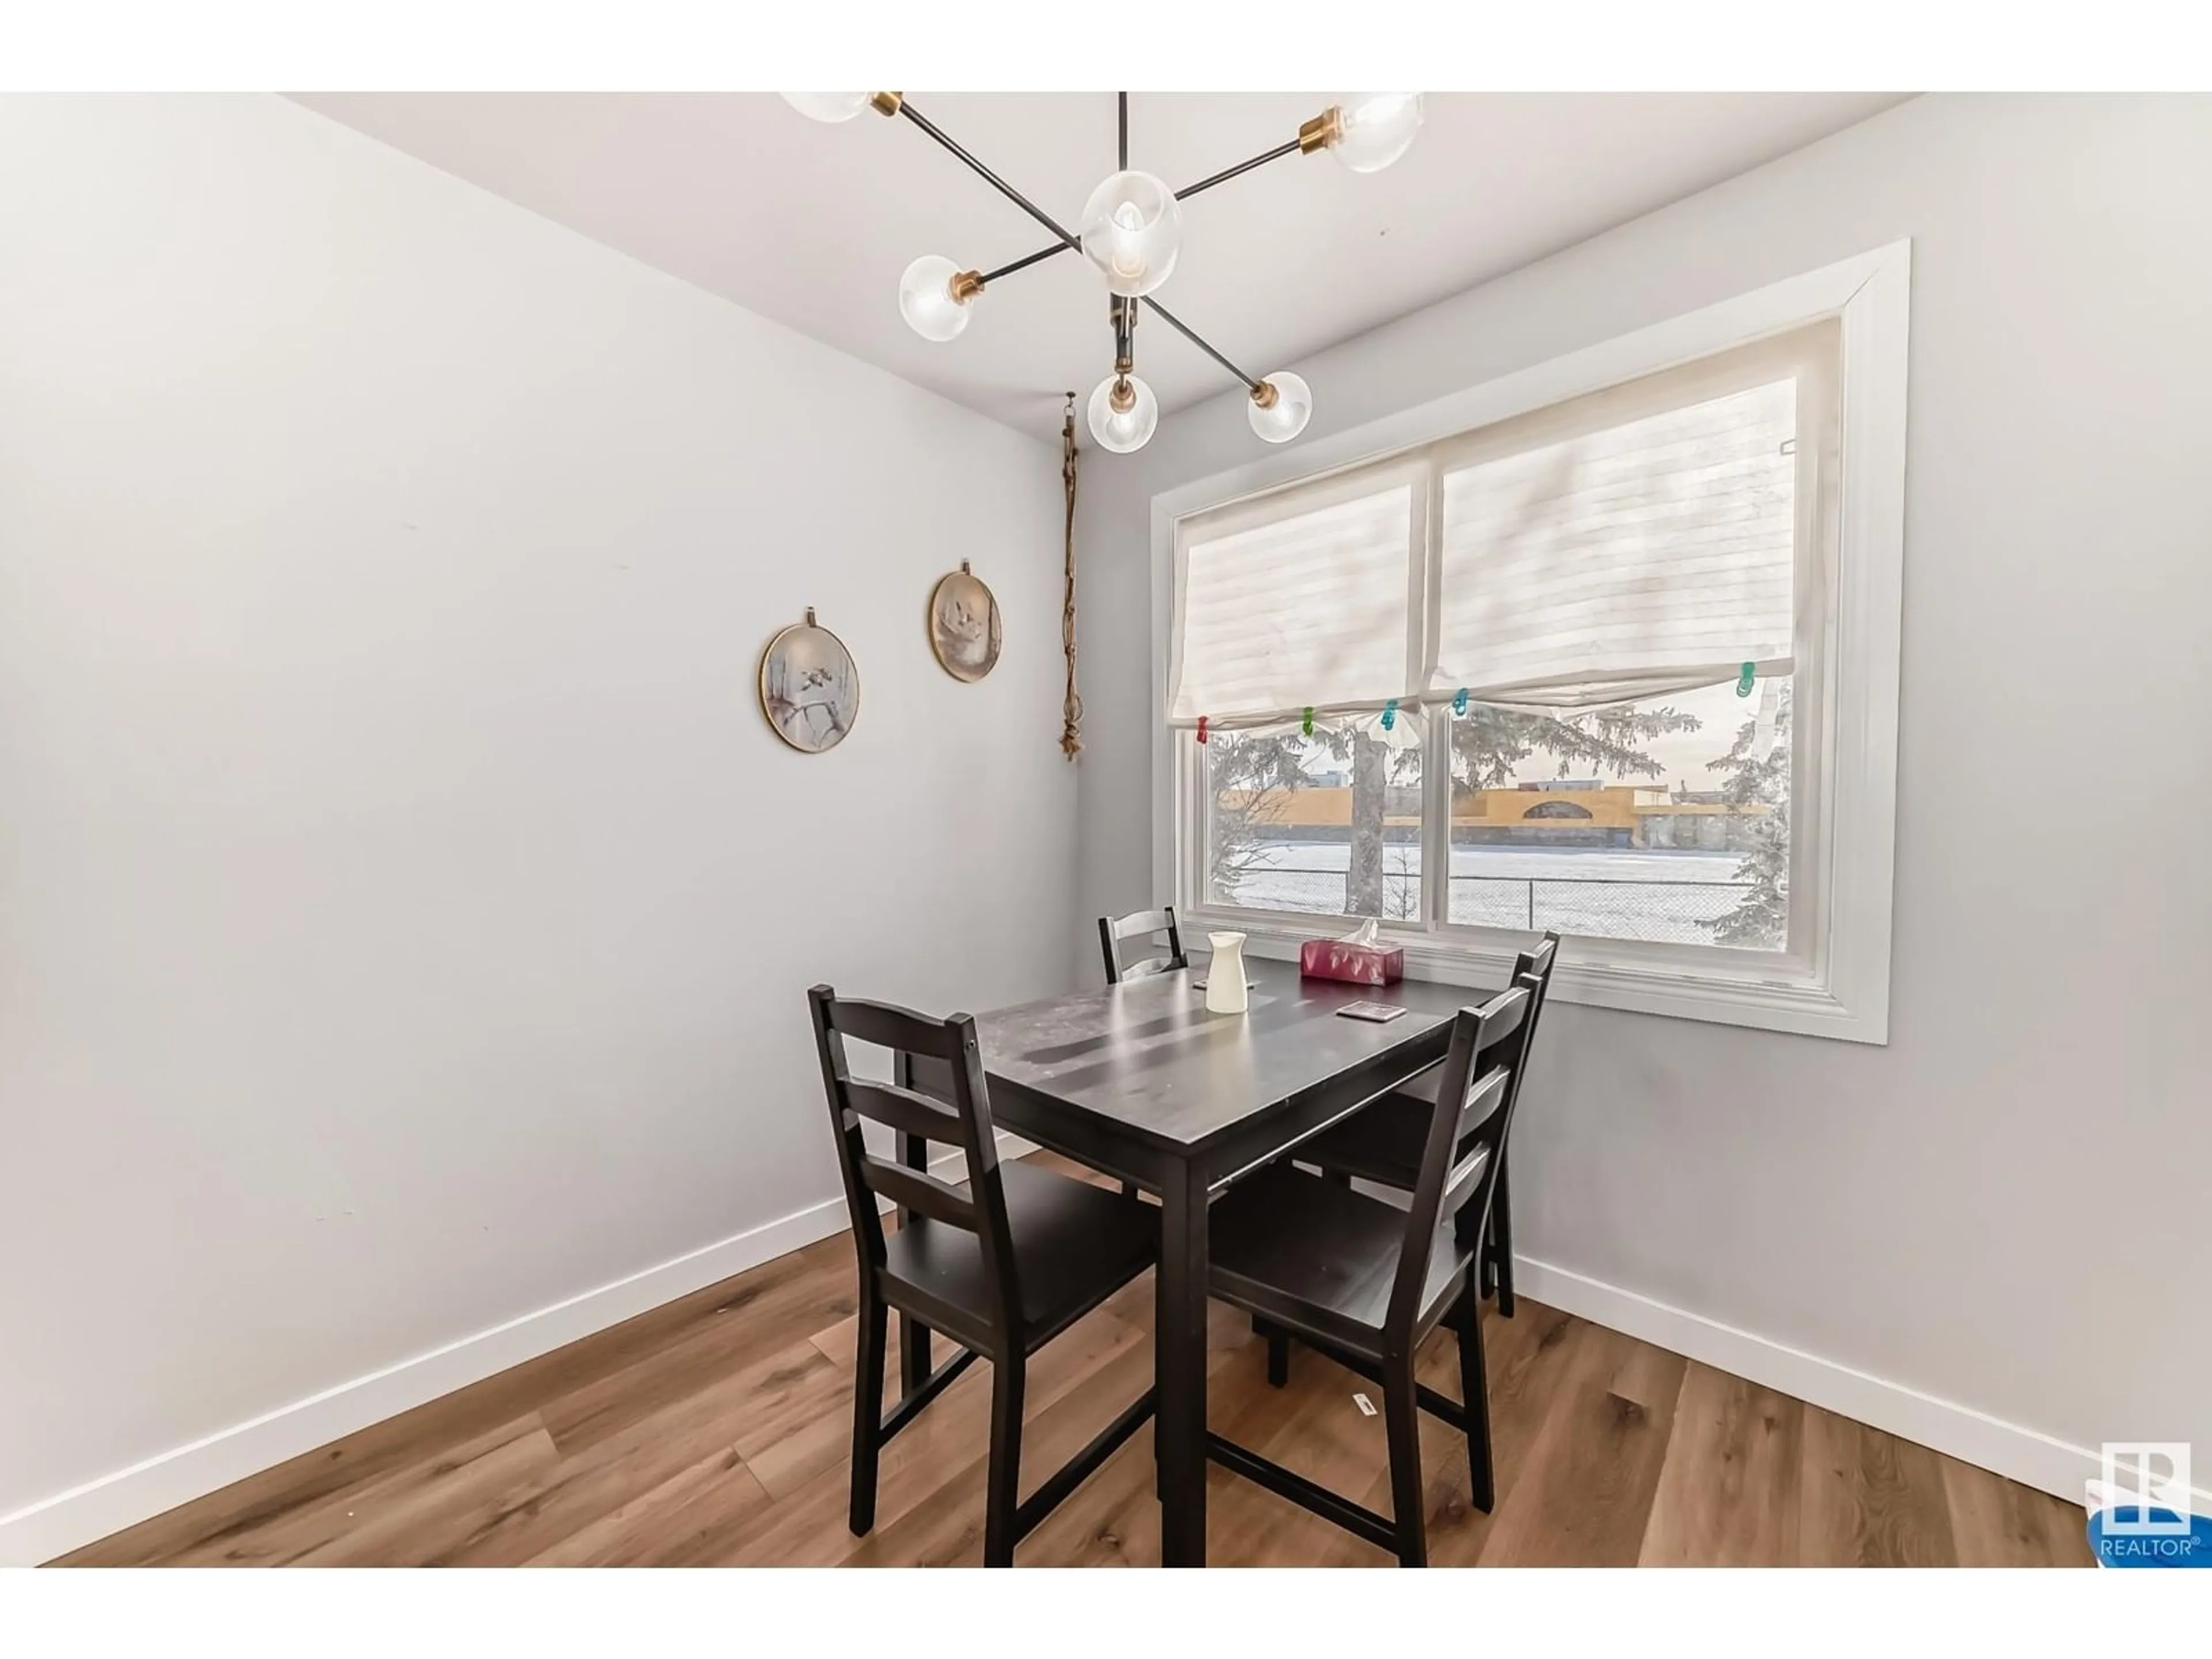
(1364, 1281)
(1383, 1142)
(1146, 925)
(1141, 924)
(1000, 1265)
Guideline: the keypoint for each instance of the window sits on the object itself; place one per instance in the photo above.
(1566, 666)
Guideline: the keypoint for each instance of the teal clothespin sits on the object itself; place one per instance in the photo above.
(1743, 680)
(1390, 714)
(1458, 700)
(1309, 720)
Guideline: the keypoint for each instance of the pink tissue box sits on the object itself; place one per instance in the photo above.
(1359, 964)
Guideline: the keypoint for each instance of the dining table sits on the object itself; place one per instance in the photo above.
(1142, 1082)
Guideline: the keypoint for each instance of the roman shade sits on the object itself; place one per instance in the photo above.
(1630, 543)
(1299, 600)
(1651, 556)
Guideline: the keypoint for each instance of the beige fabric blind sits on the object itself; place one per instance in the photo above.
(1296, 601)
(1638, 541)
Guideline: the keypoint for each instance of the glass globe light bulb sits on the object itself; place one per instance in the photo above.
(928, 299)
(828, 105)
(1132, 231)
(1123, 429)
(1286, 414)
(1375, 129)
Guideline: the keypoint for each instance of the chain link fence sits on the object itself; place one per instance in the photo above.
(1663, 908)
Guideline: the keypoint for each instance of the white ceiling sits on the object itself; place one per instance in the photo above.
(812, 224)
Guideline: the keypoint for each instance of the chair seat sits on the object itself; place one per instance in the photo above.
(1320, 1257)
(1074, 1245)
(1383, 1142)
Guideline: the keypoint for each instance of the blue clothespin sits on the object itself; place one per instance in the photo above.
(1458, 700)
(1390, 714)
(1743, 680)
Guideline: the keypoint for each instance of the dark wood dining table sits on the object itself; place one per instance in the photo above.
(1139, 1081)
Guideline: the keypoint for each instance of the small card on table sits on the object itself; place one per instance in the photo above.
(1380, 1013)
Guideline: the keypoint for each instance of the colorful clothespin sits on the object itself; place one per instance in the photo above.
(1307, 726)
(1201, 728)
(1744, 679)
(1390, 714)
(1458, 700)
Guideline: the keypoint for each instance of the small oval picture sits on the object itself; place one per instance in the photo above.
(809, 689)
(963, 625)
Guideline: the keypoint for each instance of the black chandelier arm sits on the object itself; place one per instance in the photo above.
(1066, 238)
(1121, 140)
(1187, 191)
(1227, 173)
(1180, 327)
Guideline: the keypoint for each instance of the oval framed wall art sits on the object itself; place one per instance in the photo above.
(963, 624)
(810, 687)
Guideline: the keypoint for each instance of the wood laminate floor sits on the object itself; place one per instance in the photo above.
(714, 1431)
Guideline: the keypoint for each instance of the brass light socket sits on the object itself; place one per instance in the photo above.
(886, 103)
(965, 286)
(1123, 397)
(1324, 129)
(1265, 394)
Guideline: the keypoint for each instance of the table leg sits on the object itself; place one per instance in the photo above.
(1179, 1346)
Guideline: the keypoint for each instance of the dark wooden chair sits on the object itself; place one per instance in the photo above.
(1364, 1281)
(1001, 1266)
(1144, 924)
(1383, 1142)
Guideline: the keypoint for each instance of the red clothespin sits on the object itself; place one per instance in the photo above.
(1201, 728)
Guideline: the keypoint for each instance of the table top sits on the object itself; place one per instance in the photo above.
(1147, 1056)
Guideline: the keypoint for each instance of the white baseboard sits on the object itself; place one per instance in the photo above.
(2031, 1458)
(69, 1520)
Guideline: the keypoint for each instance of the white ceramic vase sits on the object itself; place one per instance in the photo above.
(1225, 990)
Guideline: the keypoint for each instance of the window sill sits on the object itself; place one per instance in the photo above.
(1723, 993)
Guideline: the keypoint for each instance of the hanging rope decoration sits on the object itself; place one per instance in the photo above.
(1071, 704)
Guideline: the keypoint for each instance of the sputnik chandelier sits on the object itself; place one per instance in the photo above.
(1132, 231)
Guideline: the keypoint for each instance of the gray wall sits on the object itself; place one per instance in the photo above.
(2004, 1207)
(406, 907)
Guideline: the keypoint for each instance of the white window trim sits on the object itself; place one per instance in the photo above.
(1841, 988)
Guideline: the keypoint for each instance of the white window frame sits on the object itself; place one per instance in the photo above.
(1834, 980)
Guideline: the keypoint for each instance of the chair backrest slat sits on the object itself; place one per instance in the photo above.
(1144, 924)
(904, 1109)
(1459, 1183)
(923, 1193)
(896, 1029)
(937, 1058)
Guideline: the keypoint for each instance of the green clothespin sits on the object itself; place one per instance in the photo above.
(1458, 700)
(1390, 714)
(1743, 680)
(1307, 725)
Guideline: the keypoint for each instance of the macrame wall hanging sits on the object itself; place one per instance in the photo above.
(1071, 706)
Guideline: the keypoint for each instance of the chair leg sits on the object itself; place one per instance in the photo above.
(1501, 1244)
(1401, 1416)
(868, 1408)
(1474, 1390)
(1279, 1358)
(1004, 1482)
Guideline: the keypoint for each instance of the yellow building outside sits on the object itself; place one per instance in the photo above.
(1566, 813)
